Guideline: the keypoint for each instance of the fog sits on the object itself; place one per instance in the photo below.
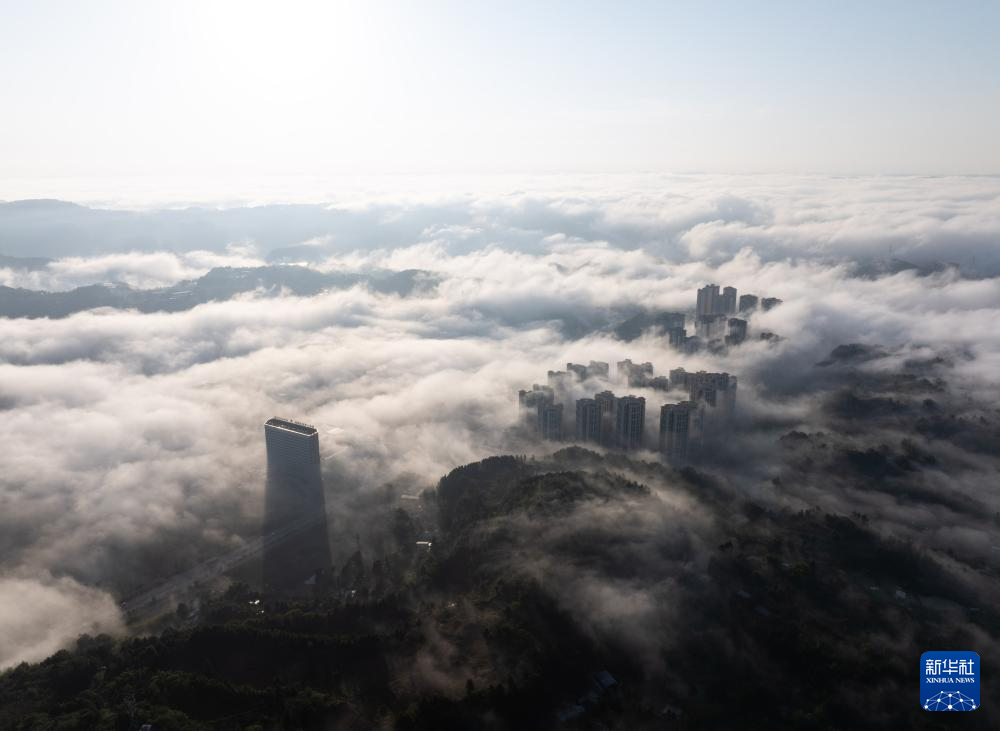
(133, 444)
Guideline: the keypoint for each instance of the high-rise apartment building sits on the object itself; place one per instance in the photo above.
(630, 422)
(680, 430)
(712, 302)
(708, 296)
(560, 379)
(550, 421)
(676, 337)
(607, 402)
(737, 331)
(530, 404)
(635, 374)
(678, 378)
(727, 303)
(748, 302)
(598, 369)
(595, 369)
(711, 327)
(718, 390)
(588, 420)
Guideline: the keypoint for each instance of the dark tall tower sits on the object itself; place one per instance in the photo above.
(295, 521)
(292, 450)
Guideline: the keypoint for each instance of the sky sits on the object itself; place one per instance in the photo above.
(223, 91)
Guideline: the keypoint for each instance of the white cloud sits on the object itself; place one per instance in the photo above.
(143, 430)
(39, 616)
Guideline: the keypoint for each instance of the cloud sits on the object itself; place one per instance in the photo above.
(684, 218)
(133, 442)
(143, 270)
(40, 616)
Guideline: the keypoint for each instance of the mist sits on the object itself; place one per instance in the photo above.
(133, 444)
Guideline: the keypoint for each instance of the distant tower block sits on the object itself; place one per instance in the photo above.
(294, 504)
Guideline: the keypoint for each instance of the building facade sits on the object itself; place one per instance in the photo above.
(680, 431)
(294, 502)
(588, 420)
(630, 422)
(748, 302)
(550, 421)
(728, 301)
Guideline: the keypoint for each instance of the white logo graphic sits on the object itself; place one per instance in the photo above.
(950, 667)
(953, 701)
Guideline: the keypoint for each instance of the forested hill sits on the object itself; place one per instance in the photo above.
(575, 591)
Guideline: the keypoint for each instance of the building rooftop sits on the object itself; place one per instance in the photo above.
(293, 426)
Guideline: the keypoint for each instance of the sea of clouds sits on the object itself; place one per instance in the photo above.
(132, 443)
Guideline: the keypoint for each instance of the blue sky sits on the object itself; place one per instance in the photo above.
(221, 90)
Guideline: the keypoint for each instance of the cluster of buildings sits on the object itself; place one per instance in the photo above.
(715, 313)
(619, 422)
(704, 411)
(720, 319)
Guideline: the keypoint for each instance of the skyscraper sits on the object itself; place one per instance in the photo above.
(679, 378)
(530, 403)
(598, 369)
(711, 327)
(707, 297)
(676, 337)
(630, 422)
(718, 390)
(595, 369)
(550, 420)
(588, 420)
(561, 381)
(728, 301)
(294, 501)
(680, 430)
(748, 302)
(737, 331)
(292, 450)
(636, 374)
(606, 401)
